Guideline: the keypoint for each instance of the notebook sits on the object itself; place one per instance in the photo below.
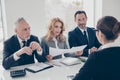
(38, 67)
(69, 61)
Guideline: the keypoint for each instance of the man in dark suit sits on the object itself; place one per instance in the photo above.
(83, 35)
(21, 48)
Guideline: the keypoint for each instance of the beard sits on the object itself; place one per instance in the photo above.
(83, 26)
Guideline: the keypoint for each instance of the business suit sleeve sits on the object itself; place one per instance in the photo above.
(85, 52)
(40, 58)
(88, 70)
(45, 48)
(72, 39)
(66, 46)
(8, 59)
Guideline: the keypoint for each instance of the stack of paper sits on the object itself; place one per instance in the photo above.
(69, 61)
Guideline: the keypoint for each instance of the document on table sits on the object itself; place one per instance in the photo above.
(69, 61)
(56, 51)
(38, 67)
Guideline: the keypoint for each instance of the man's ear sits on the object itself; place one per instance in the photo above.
(15, 30)
(75, 19)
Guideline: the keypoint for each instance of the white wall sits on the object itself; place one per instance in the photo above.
(111, 7)
(89, 8)
(31, 10)
(39, 12)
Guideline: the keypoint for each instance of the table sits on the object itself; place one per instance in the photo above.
(58, 72)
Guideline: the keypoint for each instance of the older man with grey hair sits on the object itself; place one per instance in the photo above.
(21, 48)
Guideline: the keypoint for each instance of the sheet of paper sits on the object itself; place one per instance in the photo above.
(55, 51)
(39, 66)
(78, 48)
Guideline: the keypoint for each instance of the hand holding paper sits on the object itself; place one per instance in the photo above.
(55, 52)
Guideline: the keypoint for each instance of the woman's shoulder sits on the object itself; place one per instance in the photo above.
(43, 38)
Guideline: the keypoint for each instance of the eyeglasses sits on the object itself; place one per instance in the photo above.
(96, 30)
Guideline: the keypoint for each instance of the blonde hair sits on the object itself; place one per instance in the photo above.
(51, 26)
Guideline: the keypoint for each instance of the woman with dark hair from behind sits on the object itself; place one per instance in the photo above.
(117, 41)
(103, 64)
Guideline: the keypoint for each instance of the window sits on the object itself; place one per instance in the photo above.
(1, 38)
(2, 27)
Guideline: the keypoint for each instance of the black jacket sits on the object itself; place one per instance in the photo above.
(101, 65)
(76, 38)
(11, 46)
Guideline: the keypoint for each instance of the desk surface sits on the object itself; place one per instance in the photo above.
(55, 73)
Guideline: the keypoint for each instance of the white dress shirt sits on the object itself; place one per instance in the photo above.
(87, 36)
(21, 44)
(56, 44)
(55, 40)
(108, 45)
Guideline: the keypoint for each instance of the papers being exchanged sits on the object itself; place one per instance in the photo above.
(55, 51)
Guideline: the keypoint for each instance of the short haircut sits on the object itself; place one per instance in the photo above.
(80, 12)
(20, 20)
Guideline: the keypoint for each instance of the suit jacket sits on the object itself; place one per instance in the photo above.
(76, 38)
(11, 46)
(101, 65)
(46, 44)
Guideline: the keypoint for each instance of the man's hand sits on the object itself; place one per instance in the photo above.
(35, 46)
(24, 50)
(49, 57)
(79, 53)
(93, 49)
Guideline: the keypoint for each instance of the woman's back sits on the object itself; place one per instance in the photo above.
(107, 64)
(101, 65)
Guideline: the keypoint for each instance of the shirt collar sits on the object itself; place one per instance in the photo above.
(111, 44)
(82, 30)
(54, 39)
(20, 40)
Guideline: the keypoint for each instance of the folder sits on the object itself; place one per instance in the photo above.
(38, 67)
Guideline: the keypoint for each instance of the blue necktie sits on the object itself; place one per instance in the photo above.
(24, 43)
(85, 37)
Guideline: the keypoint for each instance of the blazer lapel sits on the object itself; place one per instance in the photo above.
(78, 31)
(80, 35)
(17, 44)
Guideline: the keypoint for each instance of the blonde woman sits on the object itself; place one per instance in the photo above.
(54, 38)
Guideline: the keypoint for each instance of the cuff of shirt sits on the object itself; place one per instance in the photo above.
(88, 51)
(15, 57)
(40, 52)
